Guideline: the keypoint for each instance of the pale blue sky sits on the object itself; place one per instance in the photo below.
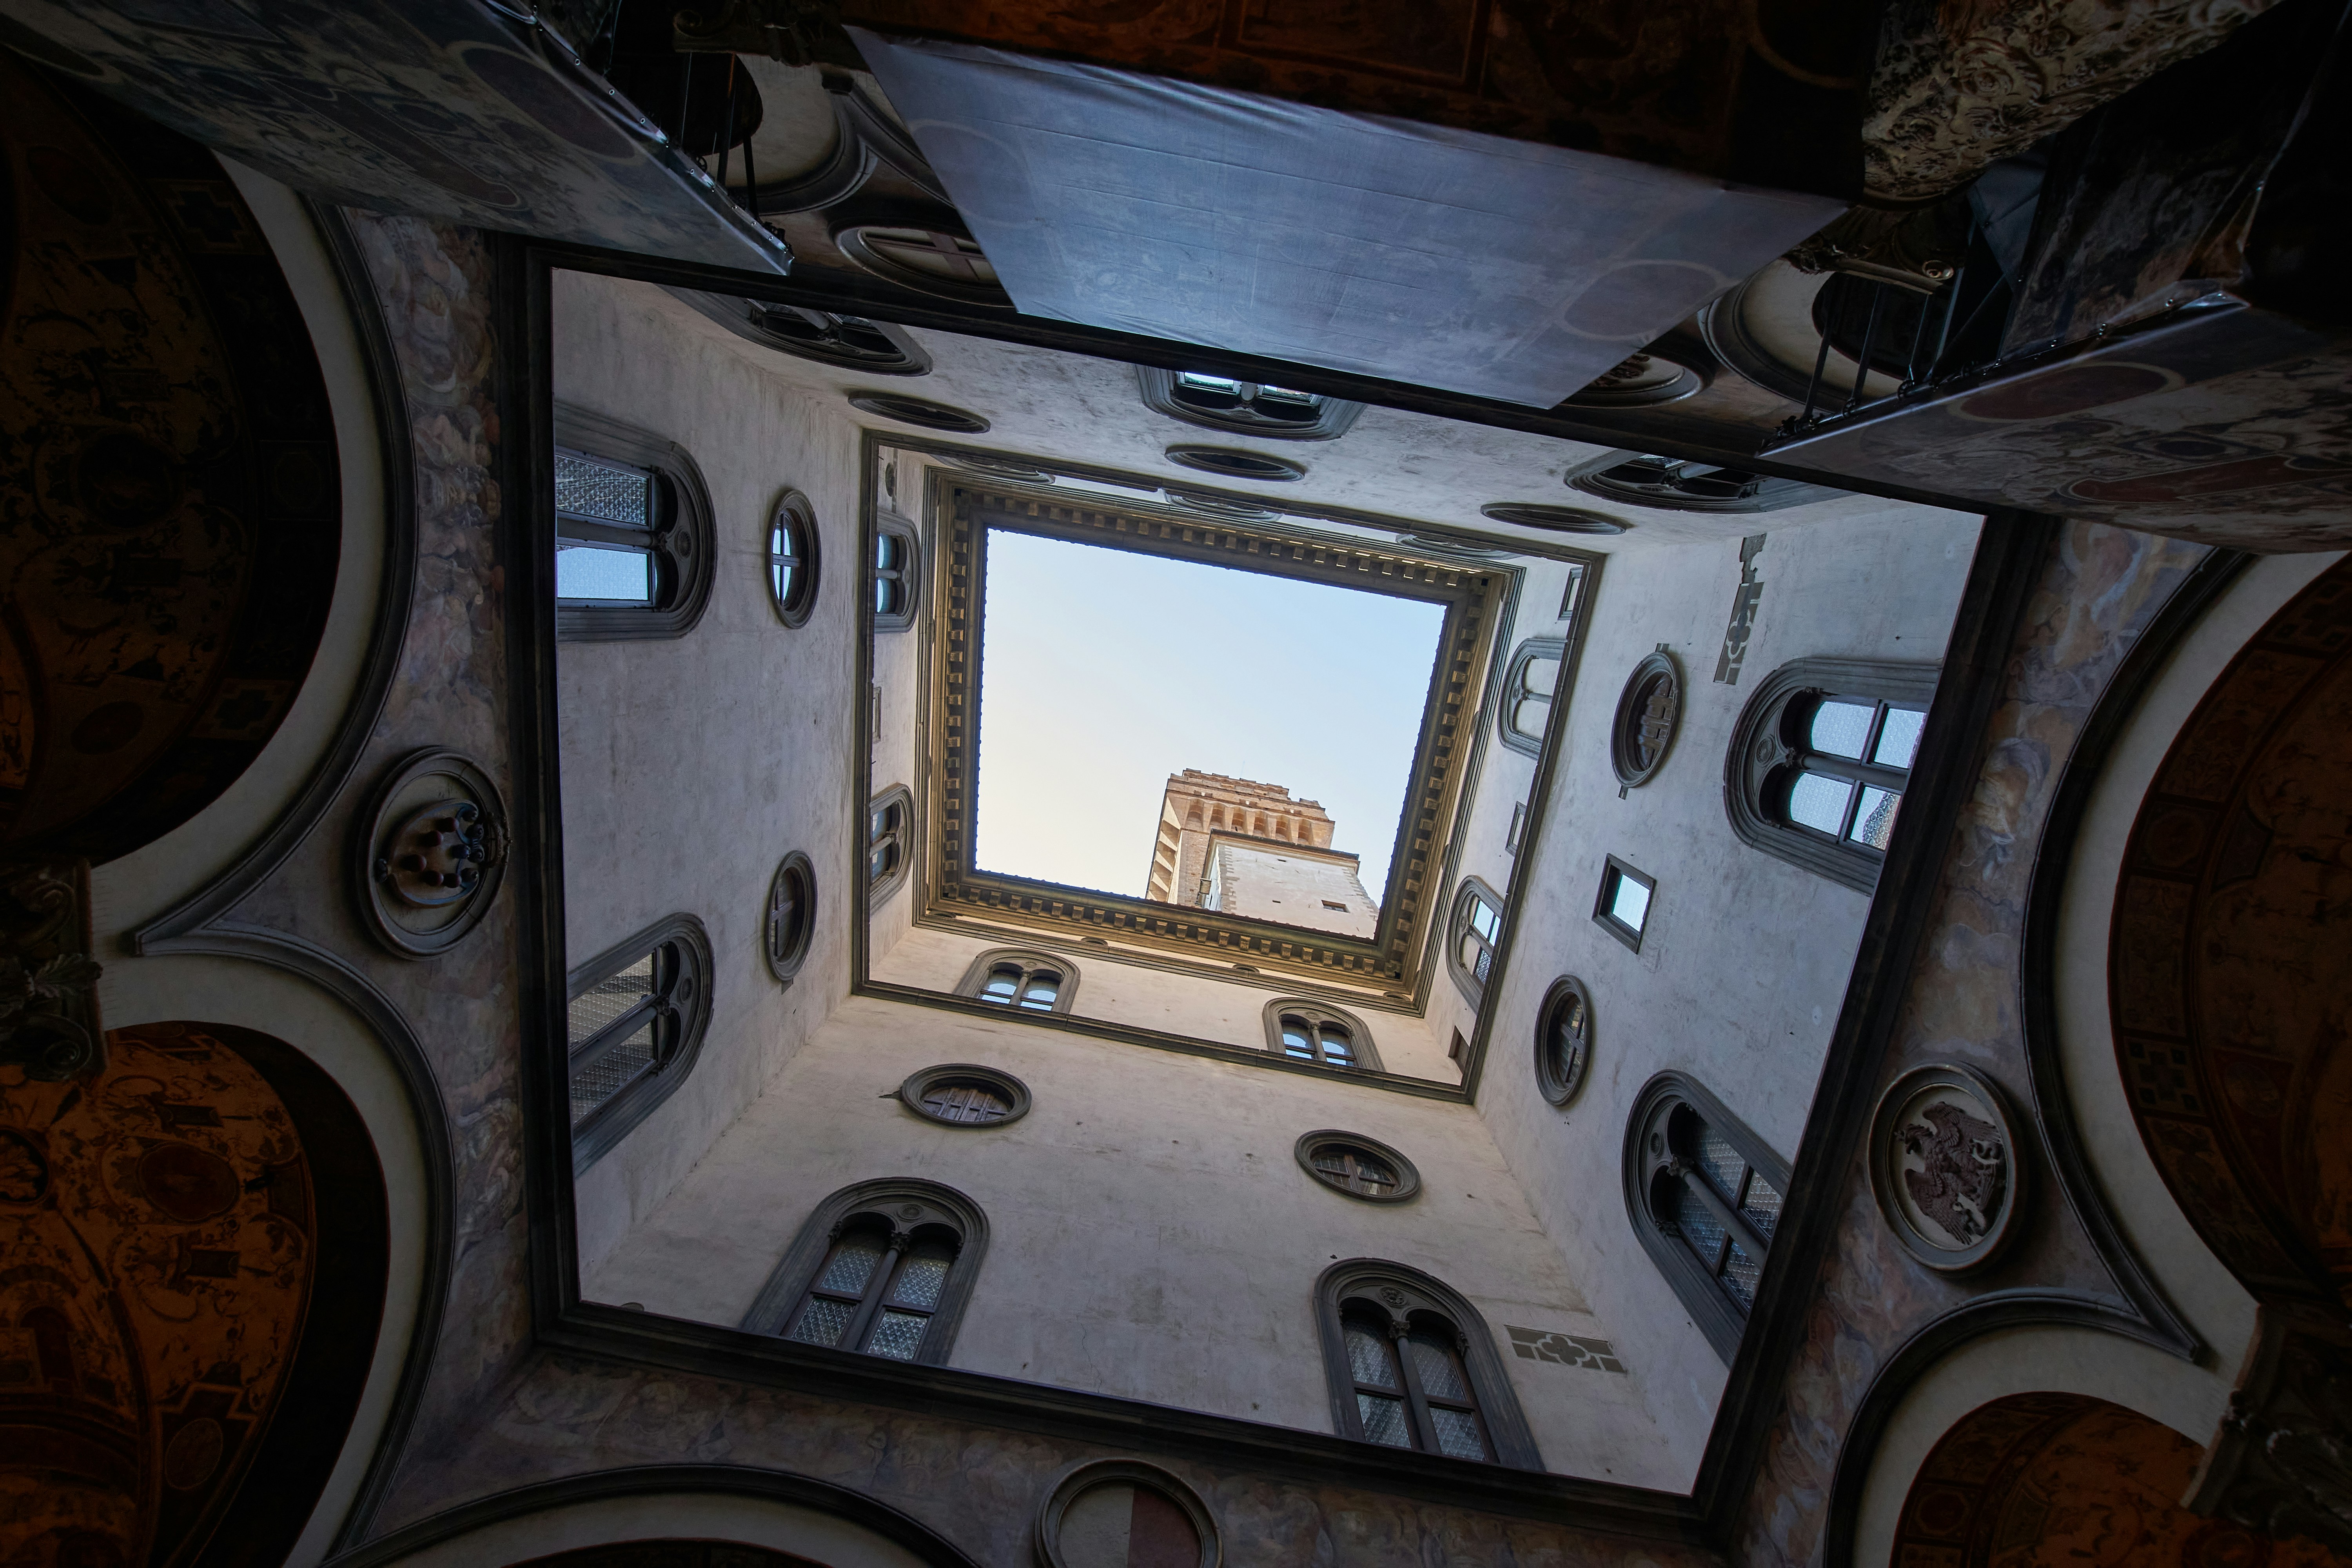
(1105, 670)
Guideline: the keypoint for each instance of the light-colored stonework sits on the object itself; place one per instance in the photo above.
(1242, 848)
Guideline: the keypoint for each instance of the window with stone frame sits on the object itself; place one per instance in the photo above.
(1821, 759)
(793, 558)
(1022, 980)
(897, 572)
(634, 546)
(1473, 936)
(889, 842)
(883, 1269)
(1705, 1196)
(1530, 681)
(635, 1019)
(1307, 1031)
(1410, 1364)
(1245, 407)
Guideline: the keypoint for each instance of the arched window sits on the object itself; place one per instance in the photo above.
(897, 572)
(634, 546)
(1023, 981)
(793, 558)
(790, 918)
(1472, 936)
(884, 1268)
(1705, 1196)
(1307, 1031)
(1672, 484)
(1410, 1364)
(1819, 761)
(1530, 683)
(636, 1016)
(889, 842)
(1245, 407)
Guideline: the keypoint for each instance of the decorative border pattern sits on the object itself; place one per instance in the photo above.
(971, 509)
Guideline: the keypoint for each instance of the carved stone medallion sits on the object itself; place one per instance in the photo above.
(431, 853)
(1649, 710)
(1116, 1513)
(1944, 1165)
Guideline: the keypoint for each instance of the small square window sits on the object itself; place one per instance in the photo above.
(1623, 909)
(1518, 833)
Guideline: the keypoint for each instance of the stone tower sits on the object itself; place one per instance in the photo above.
(1247, 849)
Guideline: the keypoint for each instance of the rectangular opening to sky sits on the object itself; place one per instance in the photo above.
(1103, 671)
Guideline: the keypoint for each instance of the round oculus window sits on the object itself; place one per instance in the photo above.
(919, 411)
(1004, 469)
(962, 1094)
(1235, 464)
(792, 558)
(1553, 519)
(1358, 1166)
(1674, 484)
(790, 918)
(1124, 1513)
(1649, 710)
(928, 258)
(1232, 509)
(1564, 1040)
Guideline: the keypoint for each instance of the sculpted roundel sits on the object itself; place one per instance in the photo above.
(1944, 1165)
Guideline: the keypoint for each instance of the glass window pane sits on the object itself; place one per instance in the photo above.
(885, 597)
(897, 1335)
(1295, 1041)
(888, 547)
(1721, 1162)
(780, 582)
(1368, 1359)
(1762, 1206)
(851, 1265)
(1283, 395)
(1440, 1374)
(1002, 983)
(584, 572)
(1193, 379)
(612, 1071)
(1484, 919)
(1739, 1272)
(1383, 1420)
(1457, 1434)
(603, 491)
(1841, 727)
(1337, 1049)
(1898, 738)
(609, 998)
(1874, 821)
(1485, 966)
(1817, 801)
(1041, 990)
(1629, 903)
(1699, 1227)
(921, 1277)
(1541, 678)
(1529, 715)
(822, 1322)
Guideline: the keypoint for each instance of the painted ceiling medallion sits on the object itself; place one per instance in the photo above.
(433, 853)
(1237, 464)
(1944, 1166)
(1116, 1513)
(1649, 711)
(919, 411)
(1555, 519)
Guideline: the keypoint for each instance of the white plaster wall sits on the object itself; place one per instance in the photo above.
(1151, 1234)
(1227, 1012)
(1744, 963)
(1260, 882)
(690, 767)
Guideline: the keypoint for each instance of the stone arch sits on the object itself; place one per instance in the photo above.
(1282, 827)
(2236, 1058)
(1192, 817)
(1260, 828)
(234, 1194)
(2050, 1478)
